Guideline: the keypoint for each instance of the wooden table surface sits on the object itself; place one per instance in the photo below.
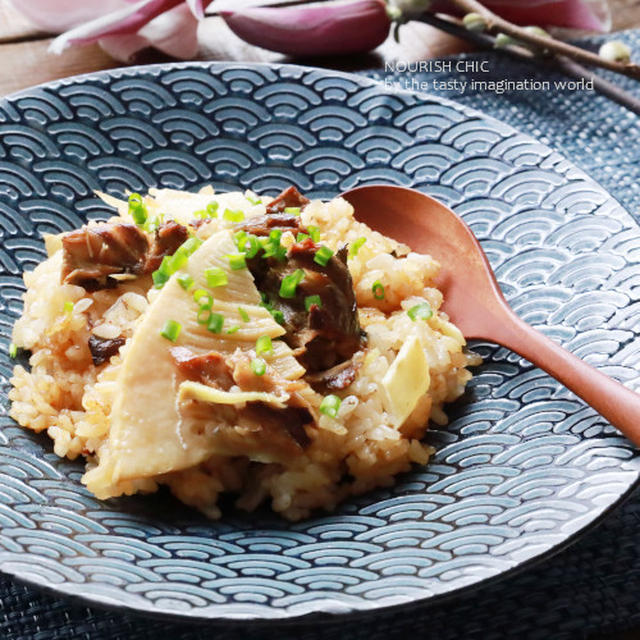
(24, 62)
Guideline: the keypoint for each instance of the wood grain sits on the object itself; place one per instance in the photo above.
(26, 62)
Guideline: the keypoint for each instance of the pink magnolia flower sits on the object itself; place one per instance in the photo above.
(122, 27)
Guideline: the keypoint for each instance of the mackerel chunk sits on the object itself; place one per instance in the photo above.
(94, 254)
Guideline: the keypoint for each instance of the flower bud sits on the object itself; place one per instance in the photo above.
(474, 22)
(615, 51)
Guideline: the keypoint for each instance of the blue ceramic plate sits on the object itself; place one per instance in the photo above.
(522, 468)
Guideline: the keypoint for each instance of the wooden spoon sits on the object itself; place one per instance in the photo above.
(474, 302)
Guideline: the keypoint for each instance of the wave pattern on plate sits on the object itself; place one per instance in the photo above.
(524, 464)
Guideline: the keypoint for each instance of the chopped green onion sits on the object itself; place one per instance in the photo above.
(233, 215)
(185, 281)
(239, 238)
(189, 246)
(68, 306)
(309, 301)
(290, 283)
(215, 323)
(237, 261)
(171, 330)
(314, 232)
(323, 255)
(378, 290)
(258, 366)
(233, 329)
(278, 316)
(178, 260)
(243, 314)
(354, 247)
(275, 235)
(216, 277)
(204, 315)
(264, 345)
(162, 273)
(420, 311)
(13, 351)
(301, 236)
(137, 210)
(212, 209)
(253, 200)
(292, 210)
(203, 298)
(253, 248)
(330, 406)
(200, 213)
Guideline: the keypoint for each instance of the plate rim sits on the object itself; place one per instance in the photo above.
(318, 615)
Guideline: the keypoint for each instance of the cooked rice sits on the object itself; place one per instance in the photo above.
(68, 396)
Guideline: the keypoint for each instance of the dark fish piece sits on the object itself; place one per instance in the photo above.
(263, 225)
(290, 197)
(273, 420)
(103, 348)
(92, 255)
(210, 368)
(214, 370)
(167, 239)
(336, 378)
(328, 334)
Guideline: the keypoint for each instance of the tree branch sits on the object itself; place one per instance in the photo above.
(557, 63)
(496, 24)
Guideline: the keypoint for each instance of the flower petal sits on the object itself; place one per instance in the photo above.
(173, 32)
(126, 20)
(56, 16)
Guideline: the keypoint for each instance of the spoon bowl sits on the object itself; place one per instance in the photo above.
(474, 302)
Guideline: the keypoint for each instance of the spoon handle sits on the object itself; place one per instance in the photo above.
(612, 400)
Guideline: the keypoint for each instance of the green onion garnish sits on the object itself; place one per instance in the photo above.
(137, 210)
(171, 330)
(216, 277)
(421, 311)
(162, 273)
(237, 261)
(212, 209)
(215, 323)
(378, 290)
(178, 260)
(275, 235)
(68, 306)
(13, 351)
(309, 301)
(292, 210)
(258, 366)
(189, 246)
(200, 213)
(354, 247)
(185, 281)
(233, 329)
(243, 314)
(264, 345)
(330, 405)
(301, 236)
(323, 255)
(204, 315)
(233, 215)
(203, 299)
(251, 246)
(290, 283)
(314, 232)
(253, 200)
(278, 316)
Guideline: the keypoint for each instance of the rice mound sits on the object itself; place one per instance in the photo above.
(70, 398)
